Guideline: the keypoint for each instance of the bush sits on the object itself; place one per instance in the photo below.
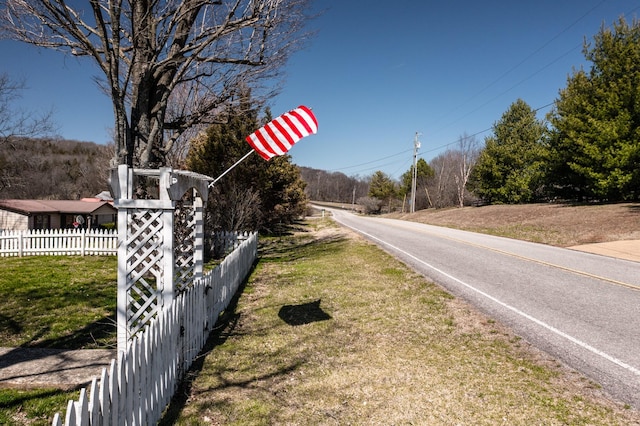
(370, 205)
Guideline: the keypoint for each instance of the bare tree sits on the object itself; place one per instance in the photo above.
(441, 189)
(467, 155)
(15, 123)
(333, 186)
(448, 186)
(147, 50)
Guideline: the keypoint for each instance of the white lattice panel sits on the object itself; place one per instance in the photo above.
(144, 267)
(185, 232)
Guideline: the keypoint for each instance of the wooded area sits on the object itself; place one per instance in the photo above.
(55, 169)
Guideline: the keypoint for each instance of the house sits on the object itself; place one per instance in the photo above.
(17, 215)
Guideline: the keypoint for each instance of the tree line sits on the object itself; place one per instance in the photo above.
(440, 183)
(586, 149)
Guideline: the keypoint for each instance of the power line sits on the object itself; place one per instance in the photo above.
(440, 147)
(503, 75)
(372, 161)
(404, 161)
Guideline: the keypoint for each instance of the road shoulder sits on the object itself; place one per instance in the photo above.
(628, 249)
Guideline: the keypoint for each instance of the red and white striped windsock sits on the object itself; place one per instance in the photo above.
(278, 136)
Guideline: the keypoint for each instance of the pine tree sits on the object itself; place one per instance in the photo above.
(595, 145)
(510, 168)
(382, 187)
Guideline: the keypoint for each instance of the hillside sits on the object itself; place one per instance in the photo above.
(561, 225)
(50, 168)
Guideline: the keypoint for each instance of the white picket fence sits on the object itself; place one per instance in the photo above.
(222, 243)
(139, 385)
(58, 242)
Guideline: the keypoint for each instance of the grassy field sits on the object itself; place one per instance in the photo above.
(562, 225)
(330, 330)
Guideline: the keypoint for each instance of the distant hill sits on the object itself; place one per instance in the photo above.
(49, 168)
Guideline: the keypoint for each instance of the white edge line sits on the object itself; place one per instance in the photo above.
(505, 305)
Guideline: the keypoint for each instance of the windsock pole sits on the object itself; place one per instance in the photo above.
(230, 168)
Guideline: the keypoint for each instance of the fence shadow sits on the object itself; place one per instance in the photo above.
(100, 334)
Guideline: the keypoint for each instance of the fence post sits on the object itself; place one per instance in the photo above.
(20, 243)
(168, 257)
(198, 256)
(122, 187)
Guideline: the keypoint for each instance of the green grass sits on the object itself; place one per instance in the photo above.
(331, 330)
(32, 407)
(64, 302)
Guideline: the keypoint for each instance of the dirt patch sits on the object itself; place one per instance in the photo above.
(562, 225)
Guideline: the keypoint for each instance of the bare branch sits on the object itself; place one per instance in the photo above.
(149, 49)
(18, 123)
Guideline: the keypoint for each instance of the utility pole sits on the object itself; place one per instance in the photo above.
(353, 200)
(416, 146)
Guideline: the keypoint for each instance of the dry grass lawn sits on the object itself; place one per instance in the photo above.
(561, 225)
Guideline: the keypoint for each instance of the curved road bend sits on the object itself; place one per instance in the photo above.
(582, 308)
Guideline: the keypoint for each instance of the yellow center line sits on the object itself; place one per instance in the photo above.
(541, 262)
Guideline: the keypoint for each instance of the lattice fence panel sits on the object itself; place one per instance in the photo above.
(144, 271)
(184, 234)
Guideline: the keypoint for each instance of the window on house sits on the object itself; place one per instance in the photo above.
(41, 221)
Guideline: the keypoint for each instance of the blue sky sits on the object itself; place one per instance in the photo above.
(376, 73)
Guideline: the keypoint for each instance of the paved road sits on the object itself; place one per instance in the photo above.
(581, 308)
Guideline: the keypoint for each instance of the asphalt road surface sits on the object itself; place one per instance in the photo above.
(581, 308)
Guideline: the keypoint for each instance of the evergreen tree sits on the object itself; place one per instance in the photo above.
(382, 187)
(510, 168)
(256, 194)
(595, 145)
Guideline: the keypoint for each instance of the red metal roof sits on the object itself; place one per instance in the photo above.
(51, 206)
